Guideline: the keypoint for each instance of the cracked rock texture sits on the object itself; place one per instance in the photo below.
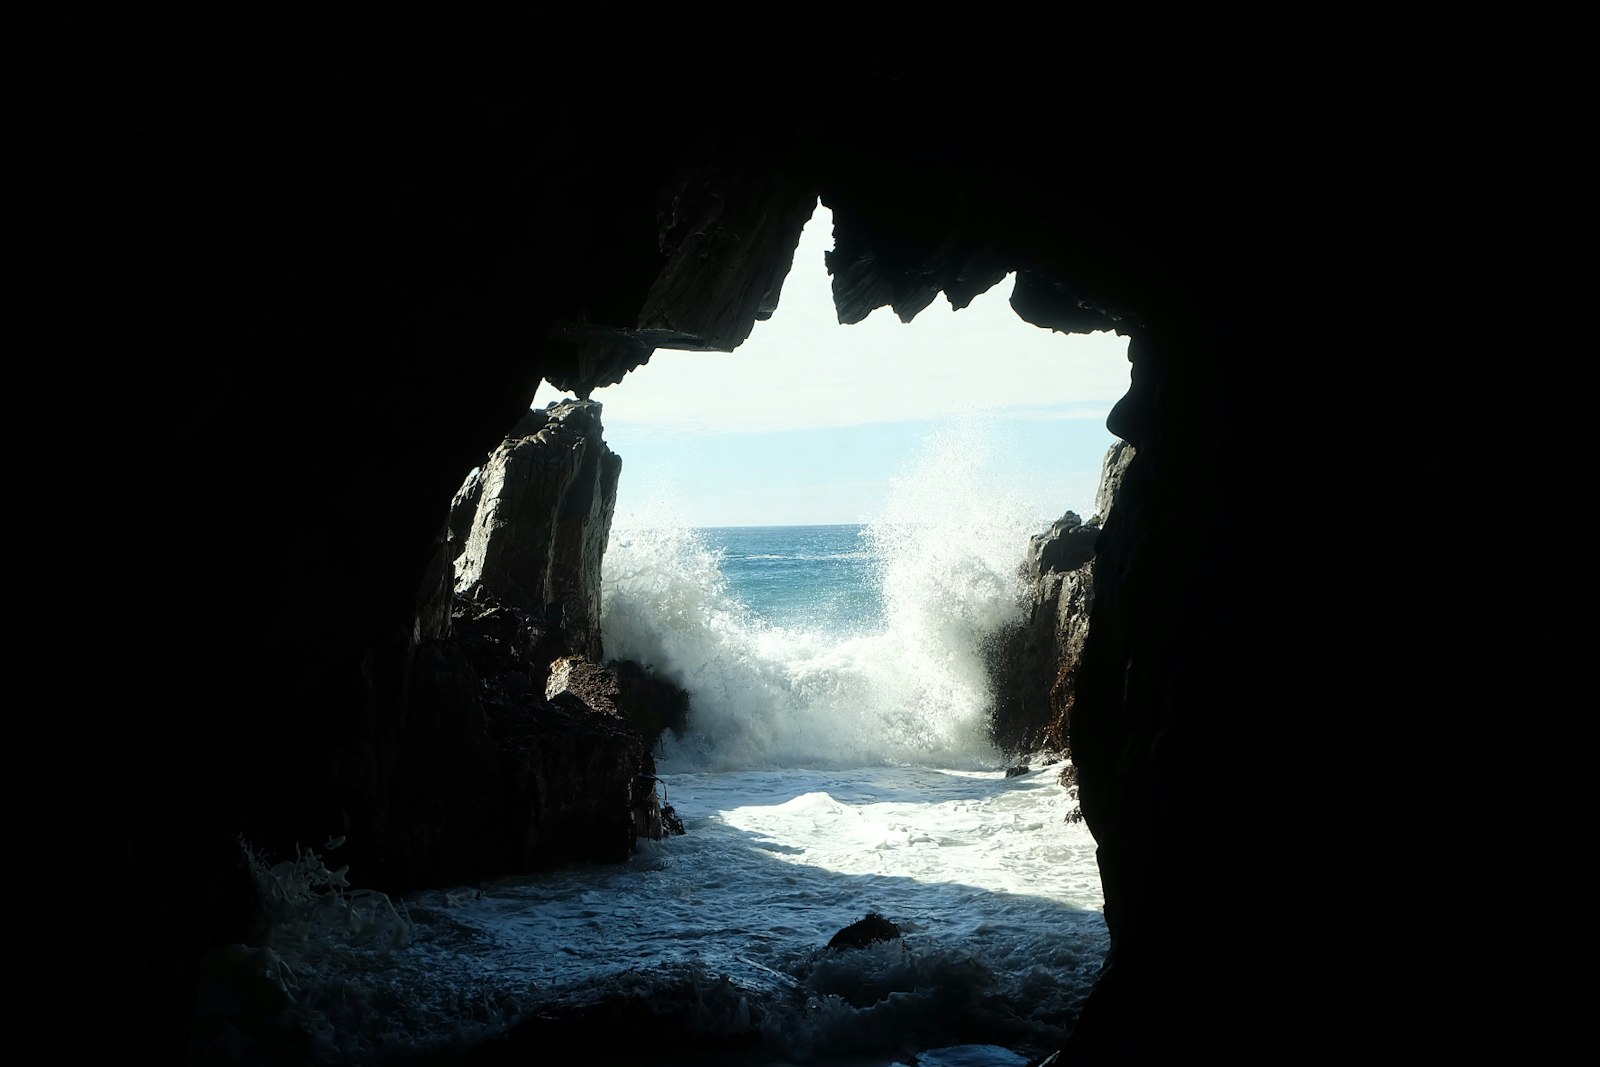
(534, 519)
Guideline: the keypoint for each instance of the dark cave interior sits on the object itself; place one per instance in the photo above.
(286, 280)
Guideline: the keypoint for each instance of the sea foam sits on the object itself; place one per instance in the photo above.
(946, 547)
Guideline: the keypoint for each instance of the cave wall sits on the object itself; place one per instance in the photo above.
(1342, 604)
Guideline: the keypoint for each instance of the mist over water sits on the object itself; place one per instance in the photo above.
(894, 677)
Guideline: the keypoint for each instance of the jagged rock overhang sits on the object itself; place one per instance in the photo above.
(950, 222)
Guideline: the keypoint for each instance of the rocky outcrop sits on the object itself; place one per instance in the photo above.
(1032, 663)
(871, 930)
(1112, 470)
(628, 692)
(518, 754)
(512, 752)
(1025, 658)
(519, 750)
(533, 520)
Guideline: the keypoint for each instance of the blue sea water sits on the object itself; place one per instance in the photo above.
(836, 763)
(818, 577)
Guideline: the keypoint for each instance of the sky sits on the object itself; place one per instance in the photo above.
(812, 422)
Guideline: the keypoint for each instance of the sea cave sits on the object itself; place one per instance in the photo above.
(285, 282)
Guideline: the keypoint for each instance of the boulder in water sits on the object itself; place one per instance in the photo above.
(868, 931)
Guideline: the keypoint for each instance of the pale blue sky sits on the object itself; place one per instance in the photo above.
(812, 422)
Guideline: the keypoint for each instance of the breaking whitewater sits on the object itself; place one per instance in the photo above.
(836, 765)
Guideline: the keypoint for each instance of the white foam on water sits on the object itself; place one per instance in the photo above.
(724, 931)
(946, 546)
(824, 776)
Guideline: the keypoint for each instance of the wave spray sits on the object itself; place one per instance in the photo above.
(908, 688)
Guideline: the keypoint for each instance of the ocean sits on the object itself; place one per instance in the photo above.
(836, 765)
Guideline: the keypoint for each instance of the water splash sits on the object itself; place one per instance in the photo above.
(946, 545)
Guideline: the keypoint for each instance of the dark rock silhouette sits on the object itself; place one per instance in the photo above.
(517, 749)
(1032, 664)
(863, 932)
(283, 282)
(530, 760)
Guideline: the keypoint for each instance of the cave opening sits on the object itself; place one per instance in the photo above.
(818, 537)
(809, 421)
(824, 485)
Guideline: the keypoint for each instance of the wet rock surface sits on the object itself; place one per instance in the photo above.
(533, 520)
(863, 932)
(522, 761)
(1033, 664)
